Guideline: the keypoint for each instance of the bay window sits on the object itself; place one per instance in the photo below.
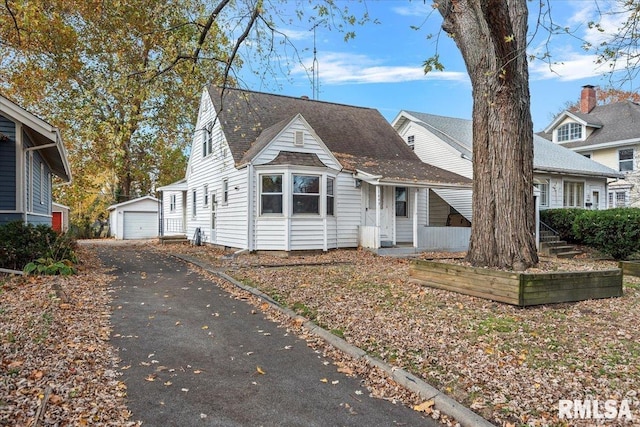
(306, 194)
(271, 194)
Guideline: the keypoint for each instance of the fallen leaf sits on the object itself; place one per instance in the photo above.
(151, 377)
(168, 383)
(324, 380)
(260, 371)
(205, 327)
(425, 407)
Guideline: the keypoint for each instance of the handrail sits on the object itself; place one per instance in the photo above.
(546, 227)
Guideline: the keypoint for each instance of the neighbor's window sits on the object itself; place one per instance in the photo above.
(306, 194)
(172, 203)
(573, 196)
(330, 196)
(618, 199)
(625, 159)
(271, 194)
(411, 141)
(401, 201)
(194, 199)
(544, 193)
(205, 195)
(569, 132)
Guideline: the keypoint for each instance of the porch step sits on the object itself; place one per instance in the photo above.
(568, 254)
(558, 248)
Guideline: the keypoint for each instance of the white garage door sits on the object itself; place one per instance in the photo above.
(140, 225)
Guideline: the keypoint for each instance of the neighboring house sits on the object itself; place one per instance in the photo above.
(60, 217)
(271, 172)
(563, 178)
(608, 134)
(31, 152)
(134, 219)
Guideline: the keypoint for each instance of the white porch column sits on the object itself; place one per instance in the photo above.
(378, 213)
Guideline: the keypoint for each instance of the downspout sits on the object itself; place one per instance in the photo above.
(27, 150)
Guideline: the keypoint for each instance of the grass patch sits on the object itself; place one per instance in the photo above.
(304, 310)
(497, 324)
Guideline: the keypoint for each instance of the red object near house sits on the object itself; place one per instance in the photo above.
(56, 221)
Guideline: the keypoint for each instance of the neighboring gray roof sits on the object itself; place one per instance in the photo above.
(360, 138)
(547, 156)
(619, 121)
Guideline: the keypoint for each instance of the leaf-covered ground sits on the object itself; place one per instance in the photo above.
(509, 364)
(54, 348)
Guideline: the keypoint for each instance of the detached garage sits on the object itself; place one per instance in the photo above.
(60, 217)
(134, 219)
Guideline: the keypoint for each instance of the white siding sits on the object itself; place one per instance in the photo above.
(432, 150)
(285, 142)
(209, 171)
(173, 220)
(349, 210)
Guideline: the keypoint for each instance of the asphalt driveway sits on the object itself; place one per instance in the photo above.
(196, 356)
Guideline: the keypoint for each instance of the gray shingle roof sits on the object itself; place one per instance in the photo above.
(619, 121)
(360, 138)
(547, 156)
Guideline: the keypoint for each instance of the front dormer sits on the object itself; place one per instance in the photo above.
(568, 132)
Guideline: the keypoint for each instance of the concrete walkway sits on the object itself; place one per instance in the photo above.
(195, 356)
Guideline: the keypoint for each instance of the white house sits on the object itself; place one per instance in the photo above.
(271, 172)
(134, 219)
(608, 134)
(563, 177)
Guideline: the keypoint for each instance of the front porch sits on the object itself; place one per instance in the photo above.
(429, 239)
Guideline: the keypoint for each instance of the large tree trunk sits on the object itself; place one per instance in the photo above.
(491, 34)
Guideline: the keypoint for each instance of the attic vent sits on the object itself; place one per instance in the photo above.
(299, 141)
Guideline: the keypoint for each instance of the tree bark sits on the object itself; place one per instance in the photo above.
(491, 35)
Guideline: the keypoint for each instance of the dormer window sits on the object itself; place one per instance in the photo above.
(569, 132)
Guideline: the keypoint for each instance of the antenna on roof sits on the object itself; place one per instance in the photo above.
(315, 69)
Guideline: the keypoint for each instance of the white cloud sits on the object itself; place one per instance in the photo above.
(342, 68)
(574, 67)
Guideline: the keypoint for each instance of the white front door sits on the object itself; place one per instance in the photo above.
(385, 210)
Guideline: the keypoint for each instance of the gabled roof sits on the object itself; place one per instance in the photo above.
(179, 185)
(132, 201)
(41, 133)
(360, 138)
(616, 122)
(547, 156)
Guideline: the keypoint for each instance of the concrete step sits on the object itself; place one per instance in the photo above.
(561, 248)
(165, 240)
(568, 254)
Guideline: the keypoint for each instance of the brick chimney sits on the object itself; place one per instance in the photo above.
(587, 98)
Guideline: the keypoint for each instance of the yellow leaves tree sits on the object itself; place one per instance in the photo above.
(92, 68)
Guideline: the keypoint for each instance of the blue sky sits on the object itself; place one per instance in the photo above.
(382, 67)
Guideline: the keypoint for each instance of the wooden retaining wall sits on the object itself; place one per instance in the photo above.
(631, 268)
(522, 289)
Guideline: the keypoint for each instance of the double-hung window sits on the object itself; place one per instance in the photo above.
(330, 196)
(306, 194)
(225, 191)
(194, 200)
(543, 187)
(172, 203)
(625, 159)
(205, 195)
(271, 194)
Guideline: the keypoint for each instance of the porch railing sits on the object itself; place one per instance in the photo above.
(173, 226)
